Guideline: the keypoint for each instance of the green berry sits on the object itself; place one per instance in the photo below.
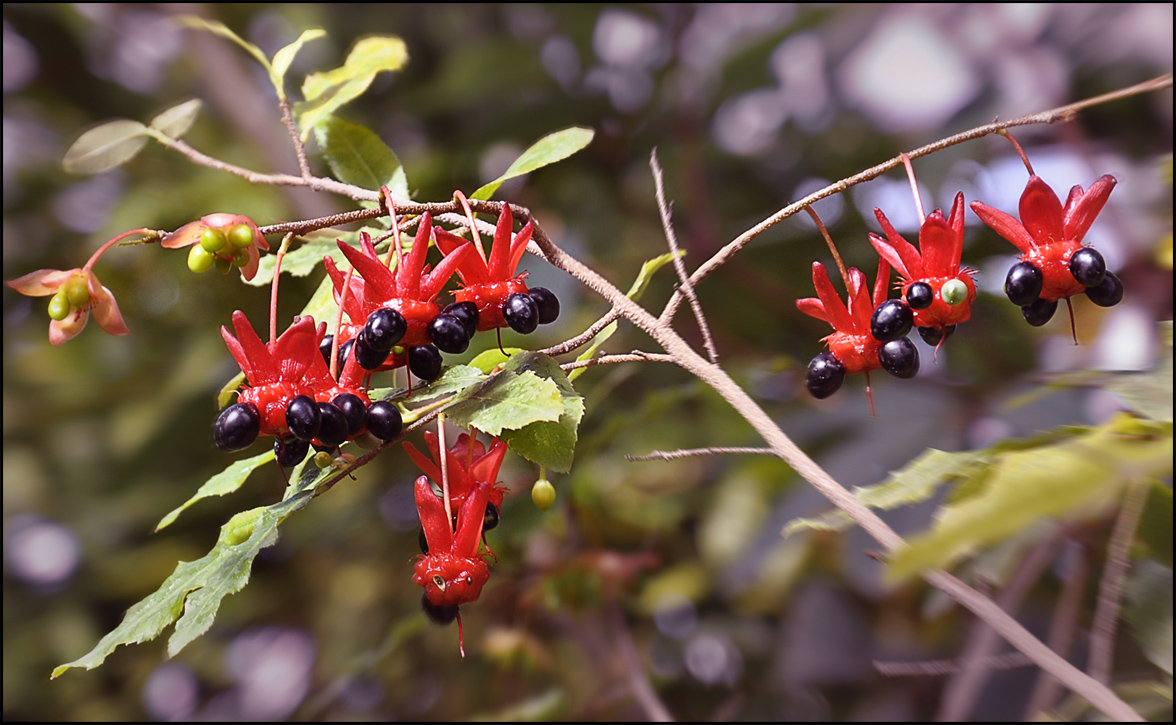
(77, 291)
(59, 306)
(241, 235)
(954, 292)
(241, 258)
(200, 259)
(543, 494)
(213, 240)
(322, 459)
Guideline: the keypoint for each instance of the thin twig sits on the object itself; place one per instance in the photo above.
(688, 452)
(585, 337)
(672, 241)
(1110, 587)
(1062, 113)
(960, 692)
(639, 684)
(1062, 626)
(933, 668)
(295, 138)
(635, 356)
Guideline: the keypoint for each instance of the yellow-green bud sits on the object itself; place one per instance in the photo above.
(241, 235)
(59, 306)
(200, 259)
(77, 291)
(213, 240)
(543, 494)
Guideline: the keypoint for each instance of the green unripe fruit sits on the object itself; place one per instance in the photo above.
(200, 259)
(954, 292)
(77, 291)
(223, 265)
(543, 494)
(241, 235)
(213, 240)
(59, 306)
(322, 459)
(240, 258)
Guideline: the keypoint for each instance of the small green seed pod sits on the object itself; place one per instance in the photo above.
(213, 240)
(77, 291)
(954, 292)
(200, 259)
(543, 494)
(241, 235)
(59, 307)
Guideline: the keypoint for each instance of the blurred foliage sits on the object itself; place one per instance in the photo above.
(749, 107)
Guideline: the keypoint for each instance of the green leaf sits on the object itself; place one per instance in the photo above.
(221, 484)
(105, 147)
(1149, 612)
(648, 269)
(328, 91)
(298, 262)
(175, 121)
(359, 157)
(487, 360)
(225, 395)
(1155, 525)
(191, 596)
(551, 444)
(1078, 477)
(507, 401)
(284, 57)
(216, 27)
(547, 150)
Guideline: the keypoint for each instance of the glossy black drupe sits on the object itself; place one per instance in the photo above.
(467, 312)
(236, 427)
(438, 613)
(920, 296)
(1088, 267)
(547, 303)
(1023, 283)
(353, 410)
(449, 334)
(384, 420)
(303, 417)
(935, 335)
(825, 375)
(891, 320)
(900, 358)
(290, 451)
(1107, 293)
(425, 362)
(520, 312)
(1039, 312)
(384, 328)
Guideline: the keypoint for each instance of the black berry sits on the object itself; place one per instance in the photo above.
(236, 427)
(368, 357)
(1023, 284)
(325, 348)
(438, 613)
(384, 420)
(492, 517)
(332, 427)
(825, 375)
(467, 312)
(353, 410)
(303, 417)
(520, 312)
(449, 334)
(1107, 293)
(290, 451)
(425, 362)
(891, 320)
(1088, 267)
(1039, 312)
(920, 296)
(384, 328)
(934, 335)
(547, 303)
(900, 358)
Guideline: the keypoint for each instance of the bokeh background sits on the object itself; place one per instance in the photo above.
(672, 575)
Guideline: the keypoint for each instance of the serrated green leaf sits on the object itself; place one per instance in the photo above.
(506, 401)
(454, 380)
(359, 157)
(105, 147)
(223, 483)
(194, 589)
(216, 27)
(328, 91)
(298, 262)
(1149, 611)
(648, 269)
(285, 56)
(550, 444)
(548, 150)
(175, 121)
(1078, 477)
